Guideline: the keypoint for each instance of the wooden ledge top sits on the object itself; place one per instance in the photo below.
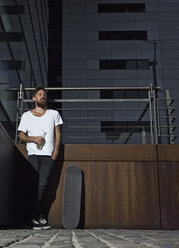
(168, 152)
(110, 152)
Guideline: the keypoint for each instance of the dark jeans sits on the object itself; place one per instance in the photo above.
(41, 169)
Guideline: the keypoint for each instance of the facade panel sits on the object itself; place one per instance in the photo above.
(23, 50)
(159, 19)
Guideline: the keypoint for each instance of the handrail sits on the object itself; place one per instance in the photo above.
(84, 88)
(94, 100)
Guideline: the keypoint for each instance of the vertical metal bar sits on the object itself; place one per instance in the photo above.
(170, 119)
(155, 117)
(158, 117)
(144, 138)
(20, 97)
(17, 116)
(150, 112)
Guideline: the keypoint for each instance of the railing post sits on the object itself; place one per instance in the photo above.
(158, 121)
(170, 119)
(150, 113)
(155, 116)
(20, 97)
(144, 138)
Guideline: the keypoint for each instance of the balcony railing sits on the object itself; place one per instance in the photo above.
(108, 114)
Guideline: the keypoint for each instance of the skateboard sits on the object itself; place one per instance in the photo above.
(72, 197)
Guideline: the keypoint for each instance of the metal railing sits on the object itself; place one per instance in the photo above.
(94, 119)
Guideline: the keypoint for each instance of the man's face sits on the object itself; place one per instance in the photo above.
(40, 99)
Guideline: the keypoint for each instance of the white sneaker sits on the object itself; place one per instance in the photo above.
(36, 225)
(44, 224)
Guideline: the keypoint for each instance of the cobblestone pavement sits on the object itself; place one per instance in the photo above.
(89, 238)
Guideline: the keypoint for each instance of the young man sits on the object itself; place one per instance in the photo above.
(40, 129)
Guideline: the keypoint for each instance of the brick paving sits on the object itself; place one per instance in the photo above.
(89, 238)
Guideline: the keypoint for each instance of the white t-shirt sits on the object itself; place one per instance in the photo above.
(38, 125)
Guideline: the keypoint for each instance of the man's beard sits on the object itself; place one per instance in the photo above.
(42, 104)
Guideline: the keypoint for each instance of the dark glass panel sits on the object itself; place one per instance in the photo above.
(11, 10)
(116, 8)
(122, 35)
(131, 64)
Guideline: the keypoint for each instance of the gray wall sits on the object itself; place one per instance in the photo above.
(82, 51)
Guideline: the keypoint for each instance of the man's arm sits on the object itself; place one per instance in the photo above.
(35, 139)
(56, 142)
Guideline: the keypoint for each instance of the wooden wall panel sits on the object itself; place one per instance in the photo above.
(168, 153)
(133, 195)
(121, 187)
(98, 152)
(169, 194)
(54, 196)
(116, 195)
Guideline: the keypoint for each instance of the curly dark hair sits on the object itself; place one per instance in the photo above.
(37, 89)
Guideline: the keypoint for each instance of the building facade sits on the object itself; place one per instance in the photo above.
(116, 43)
(106, 55)
(23, 51)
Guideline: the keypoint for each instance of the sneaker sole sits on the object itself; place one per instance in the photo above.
(37, 228)
(46, 227)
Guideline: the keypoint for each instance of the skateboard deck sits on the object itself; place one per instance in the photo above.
(72, 197)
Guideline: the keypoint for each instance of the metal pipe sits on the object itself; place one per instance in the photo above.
(155, 117)
(150, 111)
(94, 100)
(85, 88)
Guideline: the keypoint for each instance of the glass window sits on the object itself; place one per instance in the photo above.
(131, 64)
(122, 35)
(115, 8)
(106, 94)
(9, 65)
(11, 10)
(123, 94)
(12, 36)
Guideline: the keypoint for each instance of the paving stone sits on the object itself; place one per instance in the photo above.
(91, 238)
(59, 246)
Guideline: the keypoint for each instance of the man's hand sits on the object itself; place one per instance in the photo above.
(38, 140)
(35, 139)
(55, 154)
